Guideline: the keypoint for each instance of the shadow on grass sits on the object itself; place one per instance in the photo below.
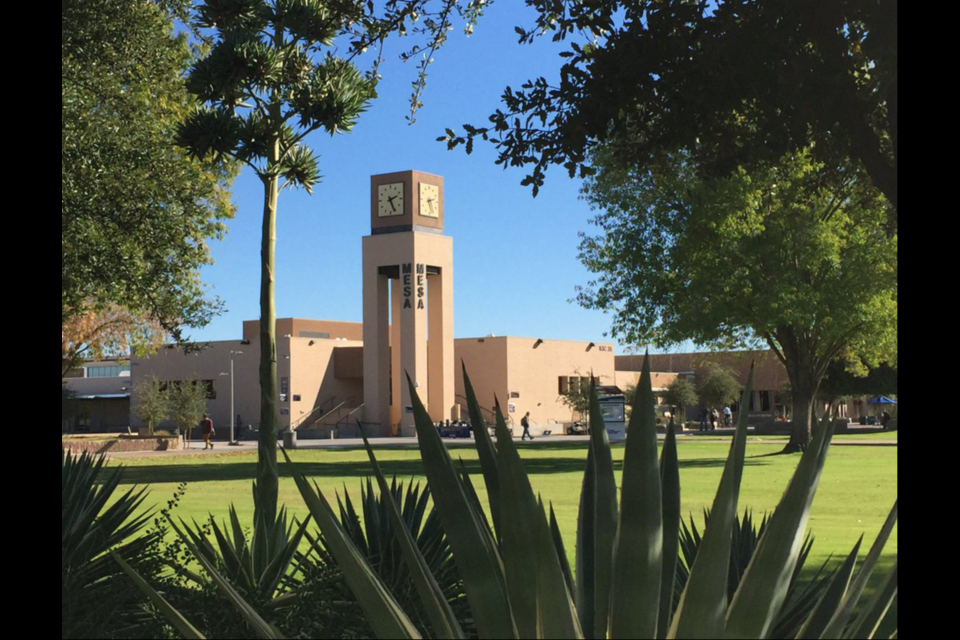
(176, 474)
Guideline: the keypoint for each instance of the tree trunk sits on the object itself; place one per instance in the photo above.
(805, 381)
(806, 375)
(268, 473)
(802, 421)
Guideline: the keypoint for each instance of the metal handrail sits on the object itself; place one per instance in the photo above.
(302, 420)
(491, 416)
(350, 415)
(331, 412)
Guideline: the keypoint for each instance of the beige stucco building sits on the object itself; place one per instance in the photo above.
(336, 374)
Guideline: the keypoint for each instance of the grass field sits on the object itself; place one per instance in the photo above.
(859, 485)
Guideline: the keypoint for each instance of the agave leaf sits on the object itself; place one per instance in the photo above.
(873, 616)
(766, 583)
(606, 514)
(561, 550)
(586, 549)
(383, 613)
(670, 484)
(832, 599)
(259, 626)
(638, 564)
(472, 494)
(173, 616)
(542, 603)
(519, 532)
(474, 548)
(229, 553)
(275, 572)
(704, 602)
(557, 612)
(838, 625)
(445, 624)
(486, 449)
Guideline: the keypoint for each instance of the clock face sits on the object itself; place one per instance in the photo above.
(429, 201)
(391, 200)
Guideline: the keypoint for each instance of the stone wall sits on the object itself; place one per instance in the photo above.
(123, 444)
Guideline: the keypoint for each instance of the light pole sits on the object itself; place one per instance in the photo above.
(233, 402)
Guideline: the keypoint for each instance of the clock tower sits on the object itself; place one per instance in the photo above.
(407, 303)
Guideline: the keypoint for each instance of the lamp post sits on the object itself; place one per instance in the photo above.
(233, 407)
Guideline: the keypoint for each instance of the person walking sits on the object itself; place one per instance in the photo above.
(704, 419)
(525, 423)
(206, 429)
(714, 420)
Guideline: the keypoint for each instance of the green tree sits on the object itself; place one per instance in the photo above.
(188, 404)
(152, 402)
(792, 256)
(278, 71)
(717, 387)
(735, 82)
(577, 397)
(137, 212)
(681, 394)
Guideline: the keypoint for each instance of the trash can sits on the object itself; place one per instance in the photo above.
(290, 439)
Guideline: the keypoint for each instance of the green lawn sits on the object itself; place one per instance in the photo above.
(859, 486)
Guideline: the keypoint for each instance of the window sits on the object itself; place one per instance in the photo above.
(576, 385)
(210, 386)
(103, 372)
(614, 412)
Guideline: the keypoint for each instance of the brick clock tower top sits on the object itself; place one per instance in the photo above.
(407, 201)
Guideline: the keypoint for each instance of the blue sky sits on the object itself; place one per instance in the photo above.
(516, 256)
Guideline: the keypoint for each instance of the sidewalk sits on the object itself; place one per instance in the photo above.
(249, 448)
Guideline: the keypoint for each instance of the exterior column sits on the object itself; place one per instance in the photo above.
(413, 356)
(396, 408)
(440, 345)
(376, 348)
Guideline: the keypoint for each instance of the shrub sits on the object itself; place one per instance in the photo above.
(96, 601)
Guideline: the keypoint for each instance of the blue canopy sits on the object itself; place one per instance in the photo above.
(882, 400)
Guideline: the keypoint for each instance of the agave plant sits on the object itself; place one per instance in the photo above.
(94, 521)
(803, 594)
(519, 585)
(377, 539)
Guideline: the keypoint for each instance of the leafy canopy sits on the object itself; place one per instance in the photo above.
(735, 82)
(277, 72)
(717, 387)
(681, 394)
(792, 255)
(137, 213)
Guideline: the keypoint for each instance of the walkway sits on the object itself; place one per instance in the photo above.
(247, 448)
